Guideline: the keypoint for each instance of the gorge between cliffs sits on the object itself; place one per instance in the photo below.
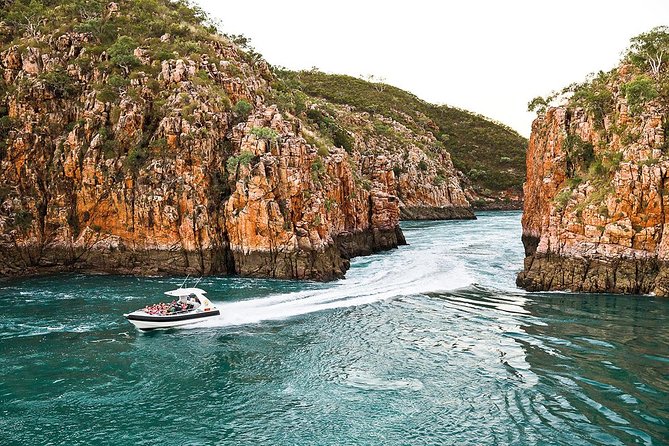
(346, 263)
(170, 148)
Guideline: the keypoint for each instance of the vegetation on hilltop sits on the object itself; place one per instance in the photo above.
(490, 154)
(120, 51)
(642, 84)
(647, 58)
(163, 30)
(143, 20)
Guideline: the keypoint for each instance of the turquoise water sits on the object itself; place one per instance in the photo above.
(425, 345)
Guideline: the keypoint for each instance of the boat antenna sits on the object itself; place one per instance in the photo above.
(198, 281)
(185, 280)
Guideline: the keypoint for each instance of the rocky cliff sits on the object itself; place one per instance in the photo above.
(427, 185)
(596, 213)
(489, 156)
(134, 138)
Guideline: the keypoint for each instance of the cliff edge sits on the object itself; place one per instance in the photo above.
(596, 211)
(136, 138)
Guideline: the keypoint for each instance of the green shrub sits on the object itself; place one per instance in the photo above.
(6, 125)
(382, 128)
(159, 146)
(242, 109)
(422, 165)
(580, 154)
(121, 53)
(188, 48)
(323, 151)
(188, 112)
(243, 159)
(538, 105)
(562, 199)
(136, 158)
(107, 94)
(115, 81)
(341, 138)
(317, 166)
(604, 165)
(291, 101)
(109, 149)
(597, 169)
(476, 174)
(317, 169)
(265, 133)
(60, 83)
(638, 92)
(331, 129)
(595, 97)
(163, 54)
(203, 79)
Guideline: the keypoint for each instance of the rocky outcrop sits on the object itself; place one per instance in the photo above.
(429, 188)
(431, 140)
(426, 182)
(596, 206)
(149, 164)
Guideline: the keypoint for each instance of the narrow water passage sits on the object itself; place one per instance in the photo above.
(428, 344)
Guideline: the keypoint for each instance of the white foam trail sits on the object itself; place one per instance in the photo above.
(401, 273)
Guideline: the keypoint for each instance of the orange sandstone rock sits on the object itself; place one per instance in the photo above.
(599, 229)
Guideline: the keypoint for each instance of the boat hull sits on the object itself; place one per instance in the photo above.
(152, 322)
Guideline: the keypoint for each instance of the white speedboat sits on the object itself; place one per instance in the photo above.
(190, 307)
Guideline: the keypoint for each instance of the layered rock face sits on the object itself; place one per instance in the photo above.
(596, 212)
(142, 165)
(430, 140)
(426, 183)
(74, 200)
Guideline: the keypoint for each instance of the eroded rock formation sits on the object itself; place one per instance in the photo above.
(596, 212)
(147, 165)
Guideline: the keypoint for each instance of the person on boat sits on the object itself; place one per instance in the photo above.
(181, 304)
(193, 302)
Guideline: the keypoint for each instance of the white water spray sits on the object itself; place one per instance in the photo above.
(385, 276)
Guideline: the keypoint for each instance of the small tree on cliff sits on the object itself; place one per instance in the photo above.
(29, 17)
(121, 53)
(651, 49)
(538, 105)
(638, 92)
(242, 109)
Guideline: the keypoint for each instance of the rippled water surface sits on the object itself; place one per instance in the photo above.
(428, 344)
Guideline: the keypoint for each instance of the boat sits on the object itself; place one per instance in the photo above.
(190, 307)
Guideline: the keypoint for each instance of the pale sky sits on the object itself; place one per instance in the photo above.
(487, 56)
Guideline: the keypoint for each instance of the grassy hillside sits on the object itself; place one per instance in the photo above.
(491, 155)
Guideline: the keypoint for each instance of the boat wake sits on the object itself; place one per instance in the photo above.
(393, 275)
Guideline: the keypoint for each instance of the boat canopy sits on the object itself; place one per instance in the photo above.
(185, 292)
